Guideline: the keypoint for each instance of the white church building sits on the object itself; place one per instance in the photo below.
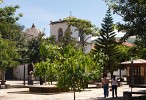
(58, 28)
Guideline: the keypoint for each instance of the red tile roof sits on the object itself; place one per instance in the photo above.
(128, 44)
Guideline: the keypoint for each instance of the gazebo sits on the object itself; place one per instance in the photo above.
(135, 71)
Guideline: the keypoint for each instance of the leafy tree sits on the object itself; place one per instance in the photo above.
(50, 54)
(51, 39)
(124, 53)
(84, 28)
(10, 32)
(8, 55)
(106, 43)
(8, 27)
(133, 13)
(42, 69)
(43, 52)
(74, 68)
(34, 51)
(99, 59)
(34, 48)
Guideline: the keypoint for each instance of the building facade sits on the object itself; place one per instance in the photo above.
(58, 28)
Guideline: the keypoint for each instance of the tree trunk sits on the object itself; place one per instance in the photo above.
(74, 94)
(111, 74)
(74, 89)
(24, 75)
(41, 81)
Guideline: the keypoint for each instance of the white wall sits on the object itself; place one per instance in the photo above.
(54, 31)
(18, 72)
(117, 73)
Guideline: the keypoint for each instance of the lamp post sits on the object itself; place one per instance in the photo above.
(24, 75)
(131, 73)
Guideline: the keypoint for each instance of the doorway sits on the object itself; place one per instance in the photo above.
(30, 68)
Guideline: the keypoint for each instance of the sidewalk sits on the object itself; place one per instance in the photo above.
(87, 94)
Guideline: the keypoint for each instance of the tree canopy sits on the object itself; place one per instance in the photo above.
(9, 29)
(84, 27)
(133, 13)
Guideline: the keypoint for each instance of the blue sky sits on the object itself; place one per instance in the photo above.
(41, 12)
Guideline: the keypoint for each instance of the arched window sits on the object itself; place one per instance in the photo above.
(60, 33)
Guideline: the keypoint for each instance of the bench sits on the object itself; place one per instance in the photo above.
(128, 94)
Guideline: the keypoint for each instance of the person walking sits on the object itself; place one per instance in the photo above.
(105, 84)
(114, 84)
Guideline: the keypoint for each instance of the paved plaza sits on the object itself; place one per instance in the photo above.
(88, 94)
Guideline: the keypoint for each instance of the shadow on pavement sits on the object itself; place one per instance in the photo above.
(102, 98)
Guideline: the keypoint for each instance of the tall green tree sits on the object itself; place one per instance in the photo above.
(8, 26)
(8, 56)
(106, 43)
(34, 48)
(133, 13)
(74, 69)
(43, 54)
(51, 54)
(10, 32)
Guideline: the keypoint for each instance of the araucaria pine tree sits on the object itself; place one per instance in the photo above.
(106, 43)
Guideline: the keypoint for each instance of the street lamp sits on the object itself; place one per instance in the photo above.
(24, 75)
(131, 73)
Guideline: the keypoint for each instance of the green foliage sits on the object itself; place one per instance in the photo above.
(99, 60)
(124, 53)
(67, 39)
(8, 54)
(34, 48)
(133, 13)
(8, 27)
(74, 70)
(45, 69)
(48, 56)
(51, 39)
(84, 28)
(106, 43)
(143, 53)
(41, 69)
